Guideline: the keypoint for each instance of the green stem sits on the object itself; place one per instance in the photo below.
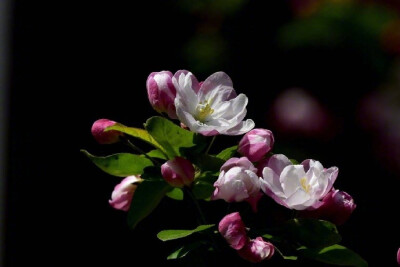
(202, 218)
(196, 204)
(211, 143)
(131, 145)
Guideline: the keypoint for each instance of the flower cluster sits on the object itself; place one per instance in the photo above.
(181, 167)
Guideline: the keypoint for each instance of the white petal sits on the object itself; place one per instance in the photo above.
(185, 93)
(272, 181)
(237, 109)
(242, 128)
(252, 183)
(220, 109)
(185, 117)
(278, 162)
(215, 81)
(219, 95)
(331, 175)
(316, 164)
(290, 178)
(297, 199)
(235, 186)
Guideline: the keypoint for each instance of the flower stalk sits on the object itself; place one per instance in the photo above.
(201, 217)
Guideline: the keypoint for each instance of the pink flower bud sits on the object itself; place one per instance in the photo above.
(178, 172)
(238, 182)
(337, 206)
(257, 250)
(162, 92)
(242, 163)
(103, 137)
(233, 230)
(122, 195)
(256, 144)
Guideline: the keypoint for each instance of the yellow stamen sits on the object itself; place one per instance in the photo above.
(306, 187)
(204, 110)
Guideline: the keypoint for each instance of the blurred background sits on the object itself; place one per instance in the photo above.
(323, 75)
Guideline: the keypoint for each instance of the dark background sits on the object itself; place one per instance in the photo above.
(74, 62)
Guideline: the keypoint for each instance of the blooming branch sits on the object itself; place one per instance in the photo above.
(181, 167)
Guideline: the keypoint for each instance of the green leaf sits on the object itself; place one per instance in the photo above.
(176, 193)
(167, 235)
(136, 132)
(121, 164)
(294, 162)
(207, 162)
(146, 198)
(272, 237)
(227, 153)
(336, 254)
(291, 258)
(203, 186)
(173, 138)
(202, 190)
(156, 154)
(183, 250)
(312, 233)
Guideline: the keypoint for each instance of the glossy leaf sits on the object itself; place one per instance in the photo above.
(202, 190)
(273, 238)
(312, 233)
(146, 198)
(207, 162)
(203, 186)
(183, 250)
(175, 193)
(137, 133)
(167, 235)
(121, 164)
(336, 254)
(156, 153)
(227, 153)
(173, 138)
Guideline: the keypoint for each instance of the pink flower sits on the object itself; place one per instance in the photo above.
(103, 137)
(299, 186)
(178, 172)
(122, 195)
(256, 144)
(238, 182)
(233, 230)
(162, 92)
(257, 250)
(337, 206)
(212, 107)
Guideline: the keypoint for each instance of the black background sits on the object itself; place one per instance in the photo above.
(74, 62)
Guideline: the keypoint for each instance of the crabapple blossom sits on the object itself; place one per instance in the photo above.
(103, 137)
(212, 107)
(300, 186)
(161, 92)
(178, 172)
(122, 195)
(337, 206)
(257, 250)
(256, 144)
(238, 182)
(232, 228)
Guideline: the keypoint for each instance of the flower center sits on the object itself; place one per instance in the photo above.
(306, 187)
(203, 111)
